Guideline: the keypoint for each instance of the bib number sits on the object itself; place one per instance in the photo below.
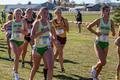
(104, 38)
(18, 36)
(45, 40)
(59, 31)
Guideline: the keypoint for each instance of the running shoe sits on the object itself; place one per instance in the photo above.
(16, 76)
(93, 73)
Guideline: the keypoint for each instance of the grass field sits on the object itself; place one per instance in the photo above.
(79, 57)
(78, 53)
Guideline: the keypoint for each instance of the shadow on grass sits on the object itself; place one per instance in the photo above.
(64, 77)
(38, 71)
(1, 39)
(3, 58)
(3, 45)
(2, 50)
(21, 79)
(25, 62)
(82, 78)
(3, 42)
(69, 61)
(8, 59)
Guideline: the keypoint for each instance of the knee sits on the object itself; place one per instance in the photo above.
(35, 67)
(103, 63)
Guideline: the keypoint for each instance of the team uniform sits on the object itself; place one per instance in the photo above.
(60, 31)
(43, 42)
(17, 37)
(103, 41)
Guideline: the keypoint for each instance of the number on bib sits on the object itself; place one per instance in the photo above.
(104, 38)
(59, 31)
(45, 40)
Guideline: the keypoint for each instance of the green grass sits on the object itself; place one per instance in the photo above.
(87, 17)
(79, 56)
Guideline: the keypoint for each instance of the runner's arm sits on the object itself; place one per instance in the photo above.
(112, 28)
(66, 25)
(91, 25)
(7, 24)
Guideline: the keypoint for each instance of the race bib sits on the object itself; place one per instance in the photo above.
(45, 40)
(16, 35)
(59, 31)
(103, 38)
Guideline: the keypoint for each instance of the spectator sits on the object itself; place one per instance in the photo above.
(79, 20)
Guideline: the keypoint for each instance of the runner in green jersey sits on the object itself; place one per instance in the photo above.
(17, 38)
(104, 26)
(43, 35)
(8, 30)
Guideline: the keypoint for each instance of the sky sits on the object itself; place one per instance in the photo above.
(42, 1)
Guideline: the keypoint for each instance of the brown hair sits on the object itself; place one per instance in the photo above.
(28, 9)
(18, 9)
(10, 16)
(57, 10)
(105, 7)
(41, 10)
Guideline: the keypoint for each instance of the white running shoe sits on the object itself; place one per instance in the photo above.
(95, 79)
(16, 76)
(93, 73)
(117, 78)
